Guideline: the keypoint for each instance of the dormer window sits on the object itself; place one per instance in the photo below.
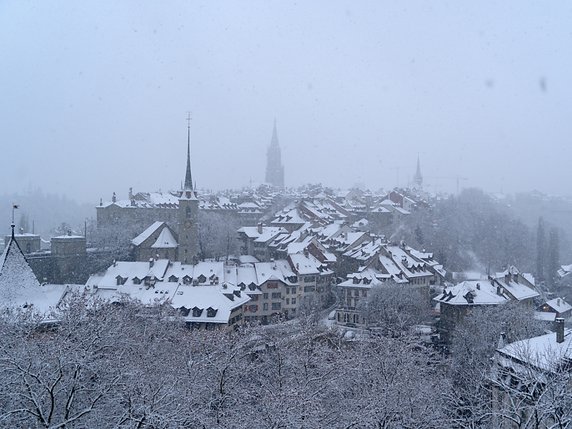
(211, 312)
(121, 280)
(202, 278)
(197, 312)
(187, 280)
(173, 279)
(136, 281)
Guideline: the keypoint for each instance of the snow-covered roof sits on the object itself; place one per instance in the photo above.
(542, 352)
(261, 234)
(165, 240)
(360, 223)
(246, 275)
(266, 271)
(364, 279)
(515, 284)
(564, 270)
(472, 292)
(305, 264)
(19, 287)
(247, 259)
(290, 215)
(559, 305)
(147, 233)
(218, 291)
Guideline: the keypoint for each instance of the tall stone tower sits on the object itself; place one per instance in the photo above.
(188, 213)
(418, 178)
(274, 167)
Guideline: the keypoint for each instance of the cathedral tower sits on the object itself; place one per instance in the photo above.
(274, 167)
(188, 213)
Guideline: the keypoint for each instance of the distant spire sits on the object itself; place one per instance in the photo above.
(274, 141)
(274, 167)
(188, 175)
(418, 179)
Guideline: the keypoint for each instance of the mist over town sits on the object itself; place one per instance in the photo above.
(285, 215)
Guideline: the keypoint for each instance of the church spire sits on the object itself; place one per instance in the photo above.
(418, 178)
(188, 175)
(274, 167)
(274, 141)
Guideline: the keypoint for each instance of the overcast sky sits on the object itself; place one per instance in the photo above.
(94, 95)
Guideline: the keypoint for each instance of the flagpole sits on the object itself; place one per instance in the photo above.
(13, 225)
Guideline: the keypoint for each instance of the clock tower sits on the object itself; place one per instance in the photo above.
(188, 213)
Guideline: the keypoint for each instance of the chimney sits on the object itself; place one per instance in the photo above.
(559, 330)
(113, 198)
(499, 291)
(478, 286)
(259, 227)
(151, 262)
(502, 340)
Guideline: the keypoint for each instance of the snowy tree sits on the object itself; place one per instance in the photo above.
(393, 383)
(552, 257)
(473, 346)
(102, 366)
(531, 385)
(217, 235)
(395, 308)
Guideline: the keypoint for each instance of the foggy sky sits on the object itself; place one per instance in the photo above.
(94, 94)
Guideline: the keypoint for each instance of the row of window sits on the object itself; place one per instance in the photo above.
(276, 306)
(354, 292)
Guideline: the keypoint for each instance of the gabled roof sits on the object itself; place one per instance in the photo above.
(147, 233)
(165, 240)
(473, 292)
(516, 284)
(17, 281)
(223, 296)
(542, 352)
(559, 305)
(19, 286)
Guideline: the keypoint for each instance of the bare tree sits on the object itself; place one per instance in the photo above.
(396, 308)
(474, 344)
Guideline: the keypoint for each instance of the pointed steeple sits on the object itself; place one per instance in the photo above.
(188, 175)
(274, 141)
(274, 167)
(418, 178)
(18, 284)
